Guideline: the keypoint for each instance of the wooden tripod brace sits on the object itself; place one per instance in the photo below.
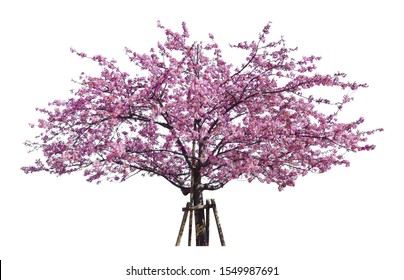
(210, 203)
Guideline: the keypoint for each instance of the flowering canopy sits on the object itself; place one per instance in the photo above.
(190, 111)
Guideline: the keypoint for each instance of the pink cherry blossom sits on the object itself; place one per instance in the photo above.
(192, 118)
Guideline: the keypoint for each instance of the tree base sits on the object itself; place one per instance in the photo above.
(201, 239)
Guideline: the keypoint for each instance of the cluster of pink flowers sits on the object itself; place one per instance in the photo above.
(191, 112)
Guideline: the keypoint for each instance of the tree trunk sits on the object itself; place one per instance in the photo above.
(197, 200)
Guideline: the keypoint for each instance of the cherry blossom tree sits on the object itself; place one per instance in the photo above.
(198, 121)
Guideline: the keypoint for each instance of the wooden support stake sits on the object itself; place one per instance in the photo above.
(191, 214)
(208, 206)
(184, 220)
(219, 227)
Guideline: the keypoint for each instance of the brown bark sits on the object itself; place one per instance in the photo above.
(197, 200)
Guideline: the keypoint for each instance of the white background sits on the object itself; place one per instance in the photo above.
(345, 224)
